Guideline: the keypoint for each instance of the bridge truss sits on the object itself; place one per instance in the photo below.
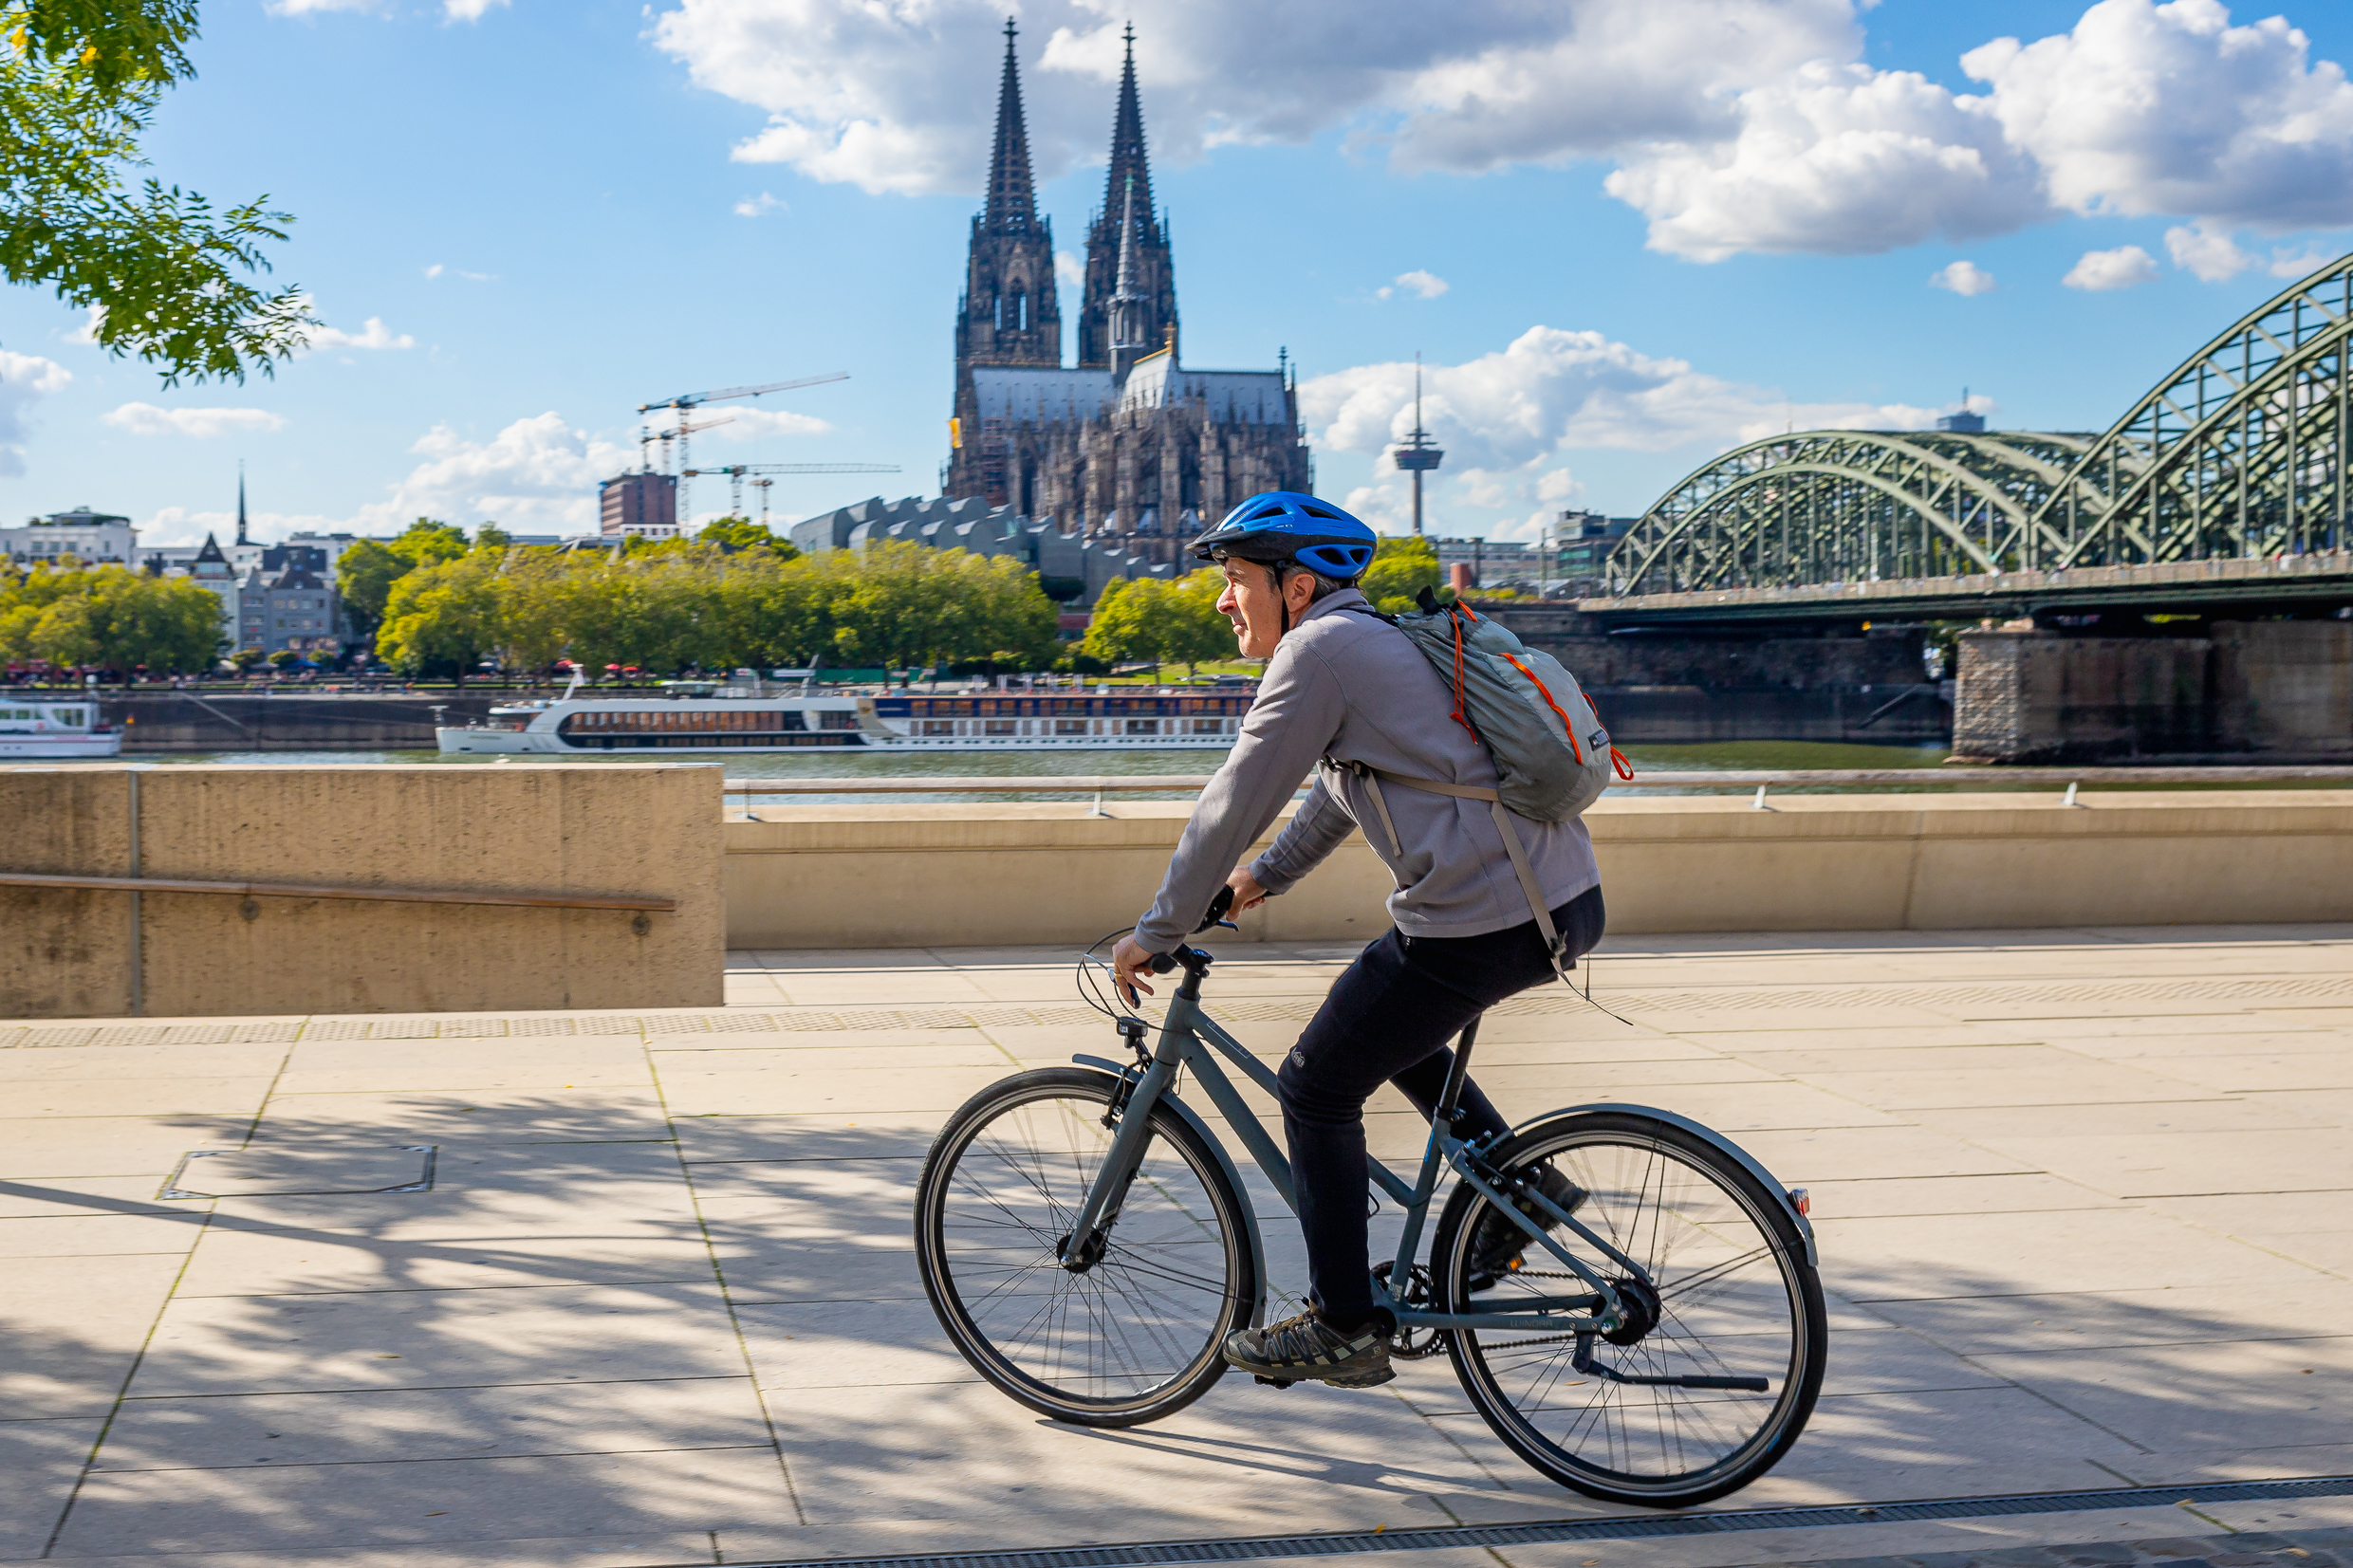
(2237, 455)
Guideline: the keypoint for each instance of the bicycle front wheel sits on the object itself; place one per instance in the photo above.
(1717, 1370)
(1136, 1335)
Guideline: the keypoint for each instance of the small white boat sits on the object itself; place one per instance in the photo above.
(704, 716)
(50, 728)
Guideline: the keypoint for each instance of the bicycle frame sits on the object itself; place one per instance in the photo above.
(1190, 1040)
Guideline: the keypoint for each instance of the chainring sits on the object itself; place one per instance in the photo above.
(1412, 1344)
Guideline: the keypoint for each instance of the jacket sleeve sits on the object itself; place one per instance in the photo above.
(1321, 825)
(1296, 716)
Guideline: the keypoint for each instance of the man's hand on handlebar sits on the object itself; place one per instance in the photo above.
(1129, 961)
(1247, 895)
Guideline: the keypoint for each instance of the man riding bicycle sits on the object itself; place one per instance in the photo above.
(1342, 693)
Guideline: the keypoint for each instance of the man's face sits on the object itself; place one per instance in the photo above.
(1254, 602)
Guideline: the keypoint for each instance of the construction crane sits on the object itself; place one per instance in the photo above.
(687, 402)
(736, 472)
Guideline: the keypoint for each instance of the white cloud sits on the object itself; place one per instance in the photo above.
(1734, 125)
(375, 334)
(2099, 271)
(147, 420)
(753, 207)
(2297, 263)
(1965, 278)
(467, 10)
(88, 331)
(1429, 285)
(1069, 270)
(747, 424)
(537, 475)
(2208, 253)
(24, 379)
(438, 269)
(1551, 390)
(309, 8)
(188, 525)
(2146, 108)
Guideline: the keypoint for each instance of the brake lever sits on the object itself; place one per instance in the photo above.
(1217, 915)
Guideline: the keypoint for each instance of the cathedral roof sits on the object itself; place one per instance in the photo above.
(1040, 394)
(1233, 397)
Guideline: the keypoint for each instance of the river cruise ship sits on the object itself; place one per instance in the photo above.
(695, 718)
(44, 730)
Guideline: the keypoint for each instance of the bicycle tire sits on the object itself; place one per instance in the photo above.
(1140, 1333)
(1655, 1190)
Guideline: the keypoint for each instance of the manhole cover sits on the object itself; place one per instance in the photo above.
(300, 1173)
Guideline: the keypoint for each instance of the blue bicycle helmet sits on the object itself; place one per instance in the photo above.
(1283, 528)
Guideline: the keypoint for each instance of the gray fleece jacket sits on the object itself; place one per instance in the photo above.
(1352, 688)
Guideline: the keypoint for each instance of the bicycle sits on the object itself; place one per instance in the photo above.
(1087, 1243)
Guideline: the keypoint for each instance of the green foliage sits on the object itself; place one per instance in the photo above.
(110, 617)
(166, 276)
(741, 533)
(1166, 623)
(1400, 569)
(694, 604)
(365, 572)
(492, 537)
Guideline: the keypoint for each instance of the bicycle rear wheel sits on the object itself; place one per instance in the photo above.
(1138, 1334)
(1734, 1300)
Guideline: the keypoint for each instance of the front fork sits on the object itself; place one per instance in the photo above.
(1131, 1109)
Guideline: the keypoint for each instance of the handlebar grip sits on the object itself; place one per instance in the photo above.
(1163, 962)
(1217, 908)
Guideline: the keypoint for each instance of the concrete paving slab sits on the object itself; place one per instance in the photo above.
(417, 1338)
(1883, 1198)
(133, 1097)
(830, 1135)
(98, 1235)
(311, 1506)
(2191, 1110)
(1750, 1042)
(2331, 1068)
(72, 1328)
(484, 1116)
(39, 1461)
(1856, 1153)
(68, 1196)
(2192, 1164)
(354, 1066)
(2209, 1313)
(787, 1090)
(1925, 1087)
(2335, 1106)
(1933, 1257)
(2266, 1392)
(60, 1147)
(84, 1063)
(240, 1431)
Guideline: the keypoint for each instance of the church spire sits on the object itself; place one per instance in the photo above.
(1013, 196)
(1129, 226)
(1131, 172)
(240, 502)
(1127, 306)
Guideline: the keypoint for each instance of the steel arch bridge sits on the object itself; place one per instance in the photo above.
(2237, 455)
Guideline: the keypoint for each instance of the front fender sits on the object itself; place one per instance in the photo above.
(1747, 1161)
(1233, 1177)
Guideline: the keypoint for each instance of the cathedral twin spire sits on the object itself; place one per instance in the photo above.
(1130, 295)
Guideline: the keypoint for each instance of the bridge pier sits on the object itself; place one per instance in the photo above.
(2274, 691)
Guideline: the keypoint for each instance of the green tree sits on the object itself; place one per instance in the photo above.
(109, 618)
(442, 618)
(366, 570)
(1401, 568)
(1166, 623)
(741, 533)
(166, 279)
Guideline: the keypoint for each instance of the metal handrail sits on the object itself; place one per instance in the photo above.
(1751, 779)
(302, 890)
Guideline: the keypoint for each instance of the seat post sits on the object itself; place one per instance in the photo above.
(1461, 1070)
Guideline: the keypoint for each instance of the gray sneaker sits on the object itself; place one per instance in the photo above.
(1307, 1349)
(1497, 1244)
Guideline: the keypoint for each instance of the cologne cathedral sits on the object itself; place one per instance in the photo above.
(1129, 445)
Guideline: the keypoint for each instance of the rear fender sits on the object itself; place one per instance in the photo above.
(1747, 1161)
(1233, 1177)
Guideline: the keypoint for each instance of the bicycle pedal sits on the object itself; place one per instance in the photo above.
(1372, 1380)
(1274, 1382)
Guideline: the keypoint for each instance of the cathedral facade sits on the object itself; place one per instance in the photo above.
(1129, 444)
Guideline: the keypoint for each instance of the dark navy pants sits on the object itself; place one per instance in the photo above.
(1387, 1021)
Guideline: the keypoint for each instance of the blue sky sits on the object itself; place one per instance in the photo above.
(1632, 233)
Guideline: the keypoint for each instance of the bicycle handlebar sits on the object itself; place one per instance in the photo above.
(1163, 963)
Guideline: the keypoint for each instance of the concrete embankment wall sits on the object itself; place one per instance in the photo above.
(983, 875)
(643, 830)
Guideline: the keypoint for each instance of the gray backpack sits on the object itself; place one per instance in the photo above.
(1551, 753)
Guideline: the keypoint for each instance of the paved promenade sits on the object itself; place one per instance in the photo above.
(2085, 1201)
